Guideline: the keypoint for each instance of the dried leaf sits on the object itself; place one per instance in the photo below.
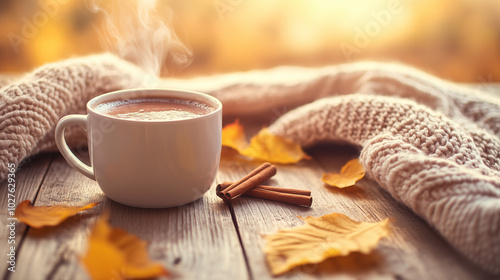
(350, 173)
(269, 147)
(233, 136)
(115, 254)
(264, 146)
(321, 238)
(40, 216)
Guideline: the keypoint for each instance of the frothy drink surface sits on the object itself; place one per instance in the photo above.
(155, 109)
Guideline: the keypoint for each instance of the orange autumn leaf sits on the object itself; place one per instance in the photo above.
(115, 254)
(319, 239)
(350, 173)
(264, 146)
(233, 136)
(269, 147)
(40, 216)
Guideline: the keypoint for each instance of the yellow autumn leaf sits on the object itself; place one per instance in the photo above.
(264, 146)
(269, 147)
(40, 216)
(319, 239)
(350, 173)
(115, 254)
(233, 136)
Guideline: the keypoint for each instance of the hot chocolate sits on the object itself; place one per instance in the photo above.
(155, 109)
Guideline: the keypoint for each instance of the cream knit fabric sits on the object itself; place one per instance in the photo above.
(433, 145)
(31, 106)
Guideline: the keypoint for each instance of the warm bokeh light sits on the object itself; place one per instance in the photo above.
(454, 39)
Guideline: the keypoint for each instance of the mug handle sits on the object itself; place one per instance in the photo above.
(80, 120)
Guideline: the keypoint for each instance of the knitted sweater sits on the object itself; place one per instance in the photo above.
(432, 145)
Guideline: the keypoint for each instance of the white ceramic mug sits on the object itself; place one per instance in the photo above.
(150, 164)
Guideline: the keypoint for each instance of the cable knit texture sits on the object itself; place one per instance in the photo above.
(433, 145)
(31, 106)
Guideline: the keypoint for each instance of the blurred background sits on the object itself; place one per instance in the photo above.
(457, 40)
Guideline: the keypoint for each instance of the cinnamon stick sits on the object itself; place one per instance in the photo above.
(296, 199)
(285, 195)
(222, 186)
(254, 178)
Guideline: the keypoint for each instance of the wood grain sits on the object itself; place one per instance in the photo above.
(53, 252)
(28, 178)
(195, 241)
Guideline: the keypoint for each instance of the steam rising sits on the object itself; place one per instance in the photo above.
(141, 32)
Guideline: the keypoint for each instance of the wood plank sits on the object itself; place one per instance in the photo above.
(52, 253)
(195, 241)
(413, 251)
(28, 178)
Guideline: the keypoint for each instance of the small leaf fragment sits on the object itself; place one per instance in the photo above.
(319, 239)
(350, 173)
(113, 253)
(40, 216)
(264, 146)
(233, 136)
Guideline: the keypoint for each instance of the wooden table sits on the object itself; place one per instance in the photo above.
(200, 240)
